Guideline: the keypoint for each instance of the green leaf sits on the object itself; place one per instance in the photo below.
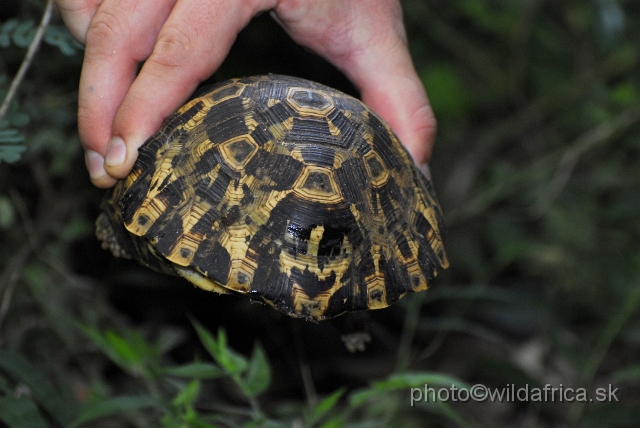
(11, 136)
(336, 422)
(417, 379)
(23, 34)
(22, 371)
(7, 213)
(188, 395)
(103, 408)
(191, 420)
(169, 339)
(129, 353)
(11, 144)
(259, 373)
(123, 348)
(11, 154)
(5, 32)
(625, 93)
(20, 413)
(9, 26)
(59, 36)
(324, 407)
(404, 382)
(232, 362)
(196, 370)
(359, 397)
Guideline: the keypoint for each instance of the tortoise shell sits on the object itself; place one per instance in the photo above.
(284, 190)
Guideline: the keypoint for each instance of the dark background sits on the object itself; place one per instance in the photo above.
(535, 166)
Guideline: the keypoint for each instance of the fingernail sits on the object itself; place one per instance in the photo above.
(426, 170)
(116, 152)
(95, 164)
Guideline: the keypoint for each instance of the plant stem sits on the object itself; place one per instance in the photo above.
(410, 323)
(26, 62)
(305, 370)
(9, 279)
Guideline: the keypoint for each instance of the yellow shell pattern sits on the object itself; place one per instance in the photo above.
(283, 190)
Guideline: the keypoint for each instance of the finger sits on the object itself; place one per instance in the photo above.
(95, 166)
(394, 91)
(120, 35)
(366, 40)
(77, 15)
(191, 45)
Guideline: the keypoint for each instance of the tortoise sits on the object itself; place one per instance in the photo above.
(285, 191)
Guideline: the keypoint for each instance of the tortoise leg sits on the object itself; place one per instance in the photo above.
(109, 238)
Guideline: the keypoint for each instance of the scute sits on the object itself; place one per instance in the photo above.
(309, 102)
(286, 191)
(318, 183)
(237, 152)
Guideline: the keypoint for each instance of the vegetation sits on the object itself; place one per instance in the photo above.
(537, 167)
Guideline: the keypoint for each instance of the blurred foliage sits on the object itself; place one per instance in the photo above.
(21, 34)
(536, 167)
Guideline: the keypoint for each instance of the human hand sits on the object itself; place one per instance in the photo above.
(184, 42)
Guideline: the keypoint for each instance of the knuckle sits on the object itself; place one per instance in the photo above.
(105, 29)
(173, 48)
(74, 6)
(425, 121)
